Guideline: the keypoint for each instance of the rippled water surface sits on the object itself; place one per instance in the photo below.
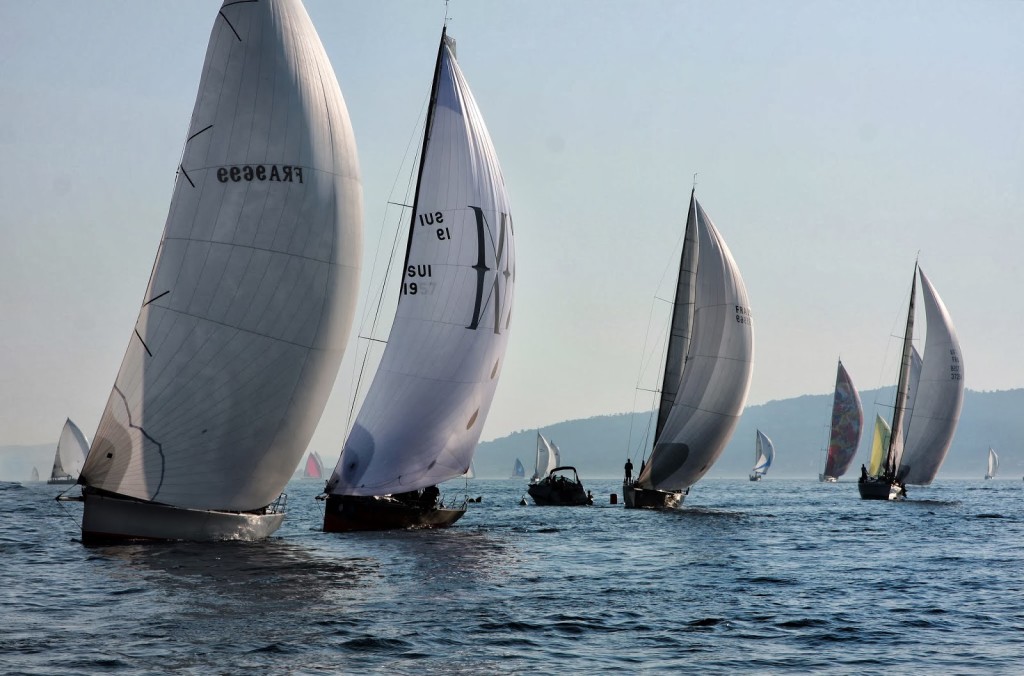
(777, 576)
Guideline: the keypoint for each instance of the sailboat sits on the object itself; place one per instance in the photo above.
(993, 464)
(844, 431)
(547, 458)
(34, 476)
(918, 446)
(518, 470)
(249, 302)
(423, 413)
(69, 456)
(707, 369)
(764, 455)
(314, 468)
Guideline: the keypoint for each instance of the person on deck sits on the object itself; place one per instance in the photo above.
(629, 470)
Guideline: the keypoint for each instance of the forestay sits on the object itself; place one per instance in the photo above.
(939, 396)
(423, 413)
(252, 294)
(718, 365)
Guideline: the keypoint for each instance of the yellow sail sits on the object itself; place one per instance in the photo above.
(879, 445)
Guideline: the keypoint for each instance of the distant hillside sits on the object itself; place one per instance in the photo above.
(798, 427)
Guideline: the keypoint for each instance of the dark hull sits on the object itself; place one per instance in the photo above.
(546, 493)
(346, 513)
(880, 490)
(649, 498)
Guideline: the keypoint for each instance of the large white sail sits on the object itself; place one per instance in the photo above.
(939, 396)
(718, 365)
(251, 297)
(423, 413)
(70, 454)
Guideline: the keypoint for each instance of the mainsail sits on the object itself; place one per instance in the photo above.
(547, 458)
(424, 411)
(70, 454)
(939, 396)
(764, 454)
(714, 367)
(252, 295)
(847, 423)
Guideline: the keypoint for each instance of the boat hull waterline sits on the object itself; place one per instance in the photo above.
(107, 519)
(880, 490)
(347, 513)
(636, 497)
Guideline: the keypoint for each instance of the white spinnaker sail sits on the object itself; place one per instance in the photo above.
(940, 394)
(764, 453)
(423, 413)
(71, 451)
(993, 463)
(253, 291)
(716, 376)
(547, 457)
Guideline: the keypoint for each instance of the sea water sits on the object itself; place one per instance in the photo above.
(769, 577)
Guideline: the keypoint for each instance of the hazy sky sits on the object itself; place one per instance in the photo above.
(833, 141)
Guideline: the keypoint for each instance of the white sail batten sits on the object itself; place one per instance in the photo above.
(717, 371)
(422, 416)
(253, 291)
(939, 396)
(71, 451)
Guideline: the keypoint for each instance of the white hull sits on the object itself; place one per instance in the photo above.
(827, 479)
(110, 519)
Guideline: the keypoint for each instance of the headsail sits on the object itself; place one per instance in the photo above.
(940, 394)
(251, 298)
(847, 423)
(717, 366)
(879, 444)
(314, 467)
(424, 411)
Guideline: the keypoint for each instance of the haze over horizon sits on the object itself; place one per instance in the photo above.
(832, 142)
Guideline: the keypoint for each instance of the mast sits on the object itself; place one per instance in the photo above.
(896, 440)
(427, 128)
(682, 319)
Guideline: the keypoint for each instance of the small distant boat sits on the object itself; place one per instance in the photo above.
(314, 468)
(34, 476)
(559, 488)
(845, 428)
(425, 409)
(917, 447)
(69, 456)
(993, 464)
(708, 364)
(764, 455)
(547, 458)
(518, 470)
